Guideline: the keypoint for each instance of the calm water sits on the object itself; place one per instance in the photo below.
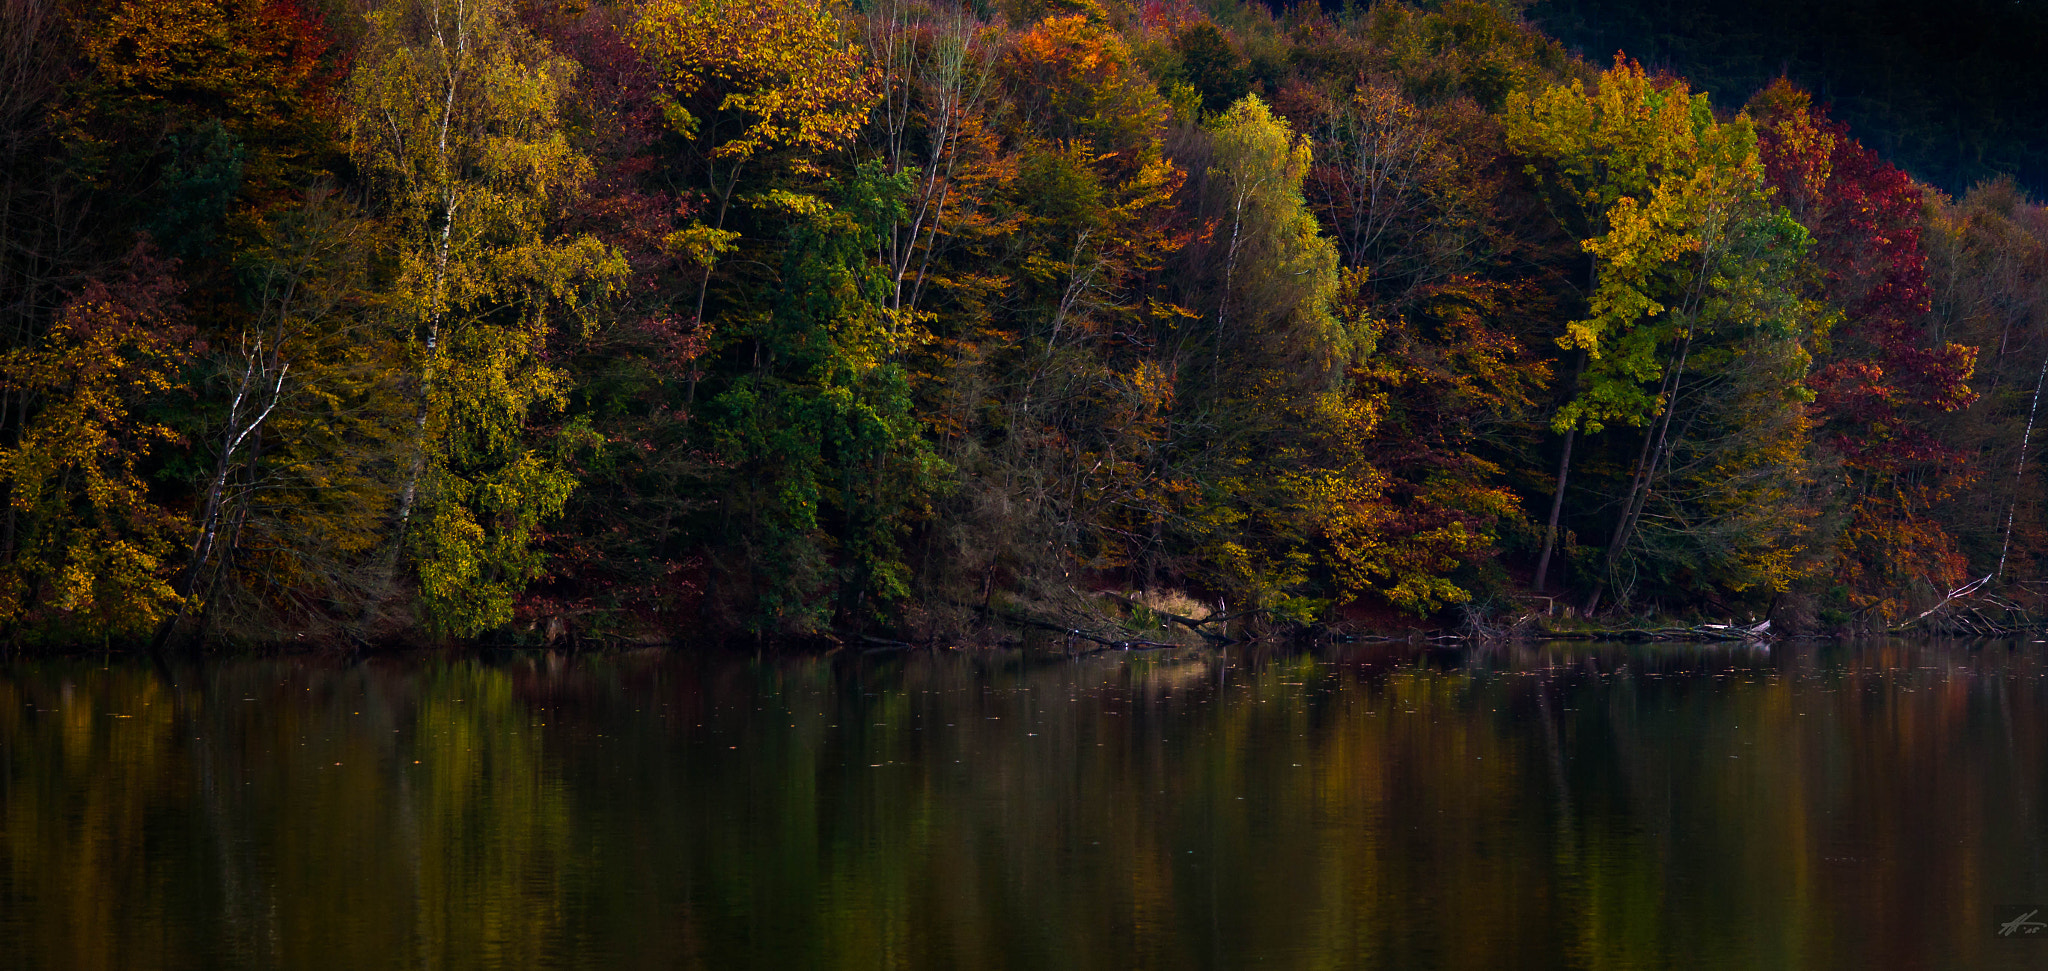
(1604, 807)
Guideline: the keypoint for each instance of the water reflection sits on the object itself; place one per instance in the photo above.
(1819, 807)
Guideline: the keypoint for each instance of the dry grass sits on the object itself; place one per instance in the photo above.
(1175, 602)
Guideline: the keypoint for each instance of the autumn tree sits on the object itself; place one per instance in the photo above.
(298, 492)
(744, 83)
(88, 551)
(456, 122)
(1058, 391)
(1385, 174)
(1988, 290)
(1687, 253)
(936, 76)
(1457, 268)
(1251, 434)
(259, 68)
(1879, 376)
(197, 116)
(623, 554)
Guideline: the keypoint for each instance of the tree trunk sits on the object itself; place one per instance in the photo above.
(1655, 446)
(241, 426)
(1564, 468)
(2020, 468)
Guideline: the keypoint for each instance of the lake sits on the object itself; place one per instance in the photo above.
(1814, 806)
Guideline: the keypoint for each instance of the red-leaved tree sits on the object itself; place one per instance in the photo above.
(1878, 376)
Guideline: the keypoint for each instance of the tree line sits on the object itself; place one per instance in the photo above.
(360, 320)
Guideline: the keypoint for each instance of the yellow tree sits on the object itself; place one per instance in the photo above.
(744, 79)
(88, 549)
(1275, 398)
(456, 121)
(292, 515)
(1691, 288)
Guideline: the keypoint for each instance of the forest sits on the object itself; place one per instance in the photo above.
(605, 321)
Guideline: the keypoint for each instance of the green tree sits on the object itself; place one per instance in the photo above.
(828, 465)
(1210, 66)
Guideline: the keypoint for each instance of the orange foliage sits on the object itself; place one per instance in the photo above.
(96, 548)
(258, 65)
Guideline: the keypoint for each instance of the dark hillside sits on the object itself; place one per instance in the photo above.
(1950, 90)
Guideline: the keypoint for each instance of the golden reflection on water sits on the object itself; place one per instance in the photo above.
(1595, 807)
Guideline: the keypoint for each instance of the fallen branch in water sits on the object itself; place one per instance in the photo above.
(1729, 633)
(1953, 595)
(1962, 612)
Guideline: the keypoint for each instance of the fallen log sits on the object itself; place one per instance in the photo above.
(1191, 623)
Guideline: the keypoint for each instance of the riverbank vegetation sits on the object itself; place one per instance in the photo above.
(366, 320)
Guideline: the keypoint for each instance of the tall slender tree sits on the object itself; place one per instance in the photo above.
(456, 121)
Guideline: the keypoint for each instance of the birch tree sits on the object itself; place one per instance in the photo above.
(456, 123)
